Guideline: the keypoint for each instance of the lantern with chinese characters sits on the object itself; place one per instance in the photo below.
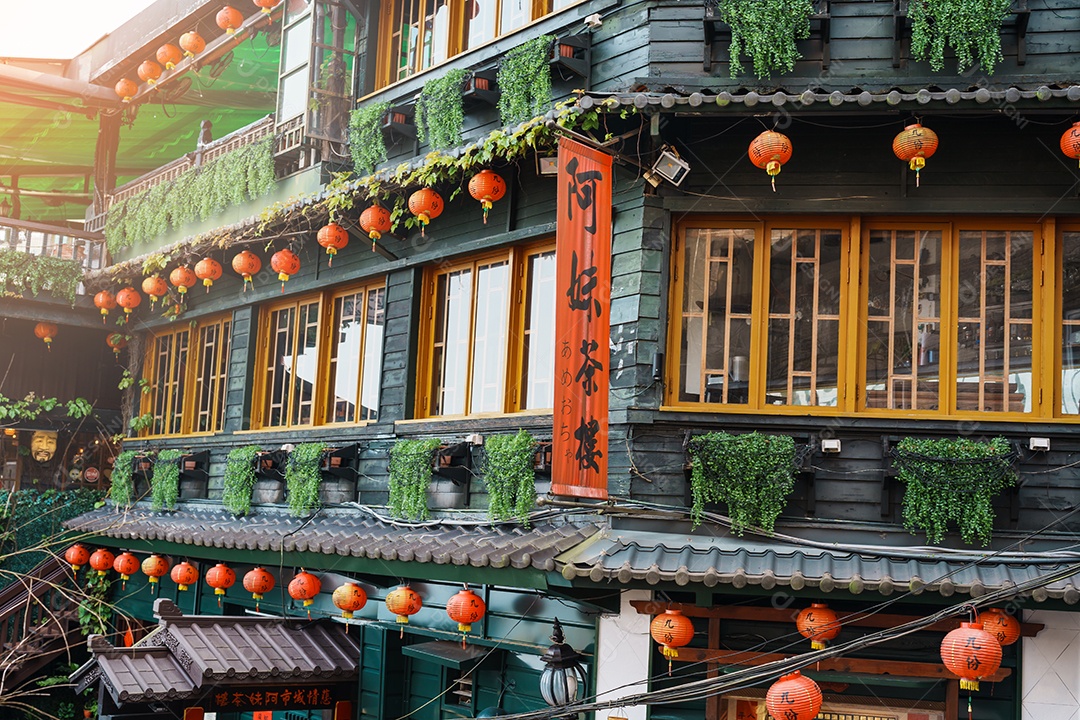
(229, 19)
(104, 301)
(77, 555)
(914, 145)
(184, 575)
(221, 577)
(126, 89)
(769, 151)
(149, 72)
(793, 697)
(169, 55)
(465, 608)
(487, 187)
(192, 43)
(403, 602)
(102, 560)
(155, 287)
(267, 5)
(425, 204)
(46, 331)
(304, 586)
(375, 221)
(258, 582)
(208, 270)
(246, 263)
(1070, 142)
(285, 263)
(154, 568)
(349, 598)
(333, 237)
(127, 565)
(818, 623)
(1002, 625)
(182, 278)
(129, 299)
(672, 630)
(117, 341)
(971, 653)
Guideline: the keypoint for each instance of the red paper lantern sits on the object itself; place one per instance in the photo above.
(1002, 625)
(971, 653)
(127, 565)
(304, 586)
(375, 221)
(1070, 142)
(208, 270)
(258, 582)
(769, 151)
(793, 697)
(155, 567)
(267, 5)
(285, 263)
(465, 608)
(149, 72)
(672, 630)
(425, 204)
(487, 187)
(117, 341)
(102, 560)
(77, 555)
(819, 624)
(333, 237)
(129, 299)
(182, 278)
(126, 89)
(46, 331)
(229, 19)
(349, 598)
(169, 55)
(403, 602)
(221, 577)
(184, 574)
(246, 264)
(914, 144)
(192, 43)
(104, 301)
(155, 287)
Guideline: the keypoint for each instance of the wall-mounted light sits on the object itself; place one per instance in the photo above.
(563, 680)
(1039, 443)
(830, 445)
(547, 165)
(669, 166)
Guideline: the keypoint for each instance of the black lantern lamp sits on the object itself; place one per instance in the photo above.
(563, 680)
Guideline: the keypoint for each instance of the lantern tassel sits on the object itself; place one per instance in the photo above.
(817, 645)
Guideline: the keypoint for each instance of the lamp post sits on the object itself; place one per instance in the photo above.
(563, 680)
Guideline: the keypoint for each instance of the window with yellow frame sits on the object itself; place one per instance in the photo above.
(320, 358)
(488, 340)
(856, 314)
(187, 370)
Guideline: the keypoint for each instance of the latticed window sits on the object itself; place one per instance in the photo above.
(291, 364)
(356, 355)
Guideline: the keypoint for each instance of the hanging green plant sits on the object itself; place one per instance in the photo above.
(953, 481)
(411, 465)
(972, 28)
(239, 479)
(22, 272)
(440, 112)
(752, 473)
(95, 611)
(766, 31)
(122, 482)
(165, 482)
(303, 473)
(508, 468)
(524, 80)
(366, 141)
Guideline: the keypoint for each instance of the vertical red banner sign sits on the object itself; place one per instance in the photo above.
(582, 323)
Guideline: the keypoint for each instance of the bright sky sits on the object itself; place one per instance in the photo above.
(60, 28)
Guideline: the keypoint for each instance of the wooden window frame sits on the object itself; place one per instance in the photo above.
(328, 343)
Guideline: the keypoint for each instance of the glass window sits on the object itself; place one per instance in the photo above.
(292, 365)
(1070, 322)
(211, 375)
(538, 371)
(356, 355)
(168, 375)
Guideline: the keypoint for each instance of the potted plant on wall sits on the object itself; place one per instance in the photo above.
(239, 479)
(971, 28)
(524, 79)
(366, 141)
(766, 31)
(165, 482)
(122, 482)
(411, 467)
(303, 473)
(440, 112)
(510, 475)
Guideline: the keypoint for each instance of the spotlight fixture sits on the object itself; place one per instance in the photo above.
(669, 166)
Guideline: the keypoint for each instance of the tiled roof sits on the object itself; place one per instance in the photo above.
(652, 557)
(344, 532)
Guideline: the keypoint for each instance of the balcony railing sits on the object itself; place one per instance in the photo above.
(88, 249)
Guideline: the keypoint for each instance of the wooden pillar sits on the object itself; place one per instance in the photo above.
(712, 704)
(952, 700)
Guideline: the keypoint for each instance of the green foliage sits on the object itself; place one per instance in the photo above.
(303, 473)
(953, 481)
(32, 519)
(524, 81)
(95, 611)
(141, 423)
(165, 482)
(31, 406)
(239, 479)
(22, 272)
(366, 141)
(79, 408)
(122, 482)
(411, 465)
(752, 473)
(440, 112)
(766, 31)
(510, 476)
(972, 28)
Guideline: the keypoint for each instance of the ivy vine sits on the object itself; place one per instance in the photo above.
(165, 482)
(440, 111)
(766, 31)
(411, 465)
(509, 474)
(239, 479)
(366, 141)
(122, 481)
(972, 28)
(22, 272)
(303, 473)
(95, 611)
(524, 81)
(31, 406)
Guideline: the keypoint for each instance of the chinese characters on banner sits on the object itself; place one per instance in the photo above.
(263, 699)
(582, 325)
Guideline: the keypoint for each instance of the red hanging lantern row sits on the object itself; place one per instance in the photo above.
(149, 72)
(914, 145)
(229, 19)
(333, 237)
(155, 287)
(117, 341)
(102, 560)
(192, 43)
(221, 577)
(258, 582)
(375, 221)
(208, 270)
(126, 89)
(487, 187)
(403, 602)
(793, 697)
(182, 278)
(77, 555)
(285, 263)
(465, 608)
(426, 205)
(1002, 625)
(169, 55)
(46, 331)
(672, 630)
(971, 653)
(769, 151)
(184, 574)
(155, 567)
(127, 565)
(246, 263)
(305, 586)
(129, 299)
(104, 301)
(819, 624)
(267, 5)
(349, 598)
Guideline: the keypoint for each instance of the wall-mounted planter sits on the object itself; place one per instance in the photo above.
(399, 123)
(270, 465)
(340, 462)
(572, 55)
(480, 86)
(194, 474)
(454, 463)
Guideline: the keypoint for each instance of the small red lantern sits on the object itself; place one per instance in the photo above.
(914, 145)
(465, 608)
(304, 586)
(285, 263)
(104, 301)
(793, 697)
(819, 624)
(403, 602)
(169, 55)
(208, 270)
(117, 341)
(192, 43)
(126, 89)
(375, 221)
(182, 278)
(77, 555)
(267, 5)
(971, 653)
(127, 565)
(1070, 142)
(155, 287)
(333, 237)
(184, 574)
(102, 560)
(1002, 625)
(246, 264)
(258, 582)
(672, 630)
(129, 299)
(769, 151)
(46, 331)
(221, 577)
(155, 567)
(349, 598)
(487, 187)
(229, 19)
(149, 72)
(425, 204)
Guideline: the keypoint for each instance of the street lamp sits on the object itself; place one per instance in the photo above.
(563, 680)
